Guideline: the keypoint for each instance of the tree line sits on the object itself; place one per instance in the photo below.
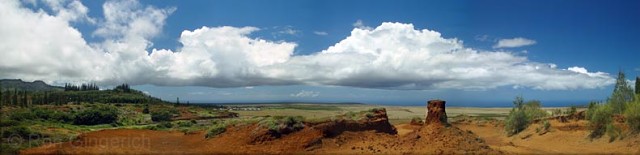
(83, 87)
(87, 93)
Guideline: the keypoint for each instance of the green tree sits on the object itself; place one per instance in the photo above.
(14, 98)
(522, 114)
(1, 97)
(622, 93)
(146, 109)
(599, 116)
(638, 85)
(632, 115)
(518, 102)
(100, 114)
(161, 116)
(516, 121)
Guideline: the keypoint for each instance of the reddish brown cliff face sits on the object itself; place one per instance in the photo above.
(436, 114)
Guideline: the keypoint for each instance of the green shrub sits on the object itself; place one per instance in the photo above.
(417, 119)
(159, 116)
(591, 107)
(599, 118)
(151, 127)
(367, 114)
(184, 124)
(613, 132)
(8, 122)
(146, 109)
(216, 129)
(516, 121)
(40, 114)
(522, 114)
(632, 115)
(375, 109)
(352, 115)
(22, 115)
(164, 125)
(283, 124)
(546, 125)
(556, 112)
(19, 131)
(102, 114)
(52, 115)
(573, 109)
(533, 111)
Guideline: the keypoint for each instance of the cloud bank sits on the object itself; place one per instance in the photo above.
(39, 45)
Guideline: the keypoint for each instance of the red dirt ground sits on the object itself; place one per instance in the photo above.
(366, 136)
(237, 140)
(356, 137)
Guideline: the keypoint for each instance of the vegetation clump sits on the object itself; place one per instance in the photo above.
(216, 129)
(283, 124)
(632, 115)
(184, 123)
(417, 120)
(366, 114)
(599, 117)
(160, 116)
(613, 132)
(621, 102)
(522, 114)
(19, 131)
(98, 114)
(43, 114)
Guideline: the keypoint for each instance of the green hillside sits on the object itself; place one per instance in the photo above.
(11, 84)
(25, 94)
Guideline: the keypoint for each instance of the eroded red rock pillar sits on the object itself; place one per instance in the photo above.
(436, 114)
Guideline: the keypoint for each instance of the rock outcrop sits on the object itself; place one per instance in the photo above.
(376, 120)
(436, 114)
(564, 119)
(416, 122)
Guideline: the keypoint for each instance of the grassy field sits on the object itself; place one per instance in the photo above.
(397, 114)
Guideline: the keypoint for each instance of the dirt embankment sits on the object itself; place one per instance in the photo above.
(566, 135)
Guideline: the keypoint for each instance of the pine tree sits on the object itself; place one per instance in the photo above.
(638, 85)
(24, 99)
(622, 93)
(1, 97)
(518, 102)
(15, 97)
(146, 109)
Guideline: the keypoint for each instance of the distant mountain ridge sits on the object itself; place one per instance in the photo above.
(10, 84)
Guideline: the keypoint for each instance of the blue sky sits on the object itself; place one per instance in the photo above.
(580, 46)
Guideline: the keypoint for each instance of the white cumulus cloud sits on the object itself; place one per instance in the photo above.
(514, 42)
(360, 24)
(36, 45)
